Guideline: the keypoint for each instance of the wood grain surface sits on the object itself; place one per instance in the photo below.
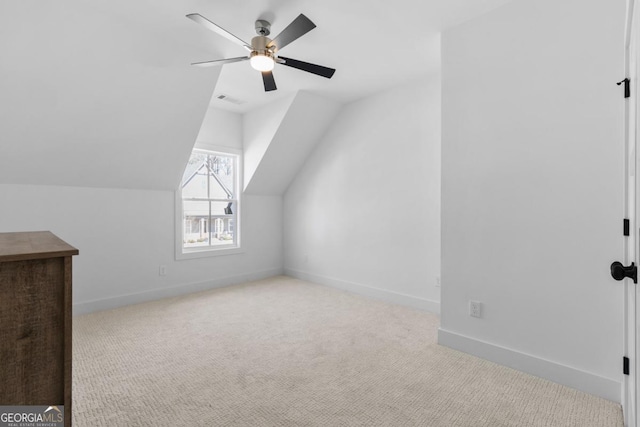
(33, 245)
(35, 320)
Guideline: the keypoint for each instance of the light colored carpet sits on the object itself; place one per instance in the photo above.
(282, 352)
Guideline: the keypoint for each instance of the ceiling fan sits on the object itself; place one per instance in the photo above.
(263, 50)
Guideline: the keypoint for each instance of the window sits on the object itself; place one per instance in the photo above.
(210, 203)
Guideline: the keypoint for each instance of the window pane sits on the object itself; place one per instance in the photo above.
(222, 231)
(195, 221)
(223, 208)
(195, 161)
(222, 179)
(218, 190)
(210, 177)
(196, 185)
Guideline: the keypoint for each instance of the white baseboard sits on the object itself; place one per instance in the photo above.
(552, 371)
(156, 294)
(368, 291)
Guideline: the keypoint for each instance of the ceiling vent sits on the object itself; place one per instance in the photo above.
(231, 99)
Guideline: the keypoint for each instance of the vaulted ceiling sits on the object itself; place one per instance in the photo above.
(100, 93)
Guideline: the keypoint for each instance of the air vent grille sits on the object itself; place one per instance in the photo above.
(230, 99)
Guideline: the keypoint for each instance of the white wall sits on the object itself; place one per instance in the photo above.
(363, 214)
(221, 128)
(532, 189)
(125, 235)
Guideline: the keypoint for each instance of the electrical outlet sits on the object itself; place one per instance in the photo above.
(475, 309)
(162, 271)
(437, 281)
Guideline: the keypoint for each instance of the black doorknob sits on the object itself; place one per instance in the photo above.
(619, 271)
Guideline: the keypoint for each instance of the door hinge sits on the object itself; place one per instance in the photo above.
(625, 365)
(625, 227)
(627, 87)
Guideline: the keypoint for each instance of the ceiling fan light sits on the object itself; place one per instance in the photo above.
(262, 62)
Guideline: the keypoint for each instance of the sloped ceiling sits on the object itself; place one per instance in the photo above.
(306, 120)
(100, 93)
(259, 129)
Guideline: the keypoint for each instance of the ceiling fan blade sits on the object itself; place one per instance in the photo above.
(310, 68)
(196, 17)
(269, 81)
(220, 61)
(298, 28)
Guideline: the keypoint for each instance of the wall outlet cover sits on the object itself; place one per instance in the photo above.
(475, 309)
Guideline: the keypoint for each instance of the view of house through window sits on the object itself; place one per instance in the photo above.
(209, 201)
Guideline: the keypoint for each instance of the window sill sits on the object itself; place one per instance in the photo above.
(182, 254)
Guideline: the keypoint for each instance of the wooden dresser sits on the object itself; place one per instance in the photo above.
(35, 320)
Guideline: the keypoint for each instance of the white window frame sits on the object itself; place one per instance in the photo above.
(183, 253)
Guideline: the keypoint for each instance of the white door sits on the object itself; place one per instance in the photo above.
(632, 211)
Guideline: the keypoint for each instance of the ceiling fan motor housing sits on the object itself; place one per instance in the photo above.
(259, 45)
